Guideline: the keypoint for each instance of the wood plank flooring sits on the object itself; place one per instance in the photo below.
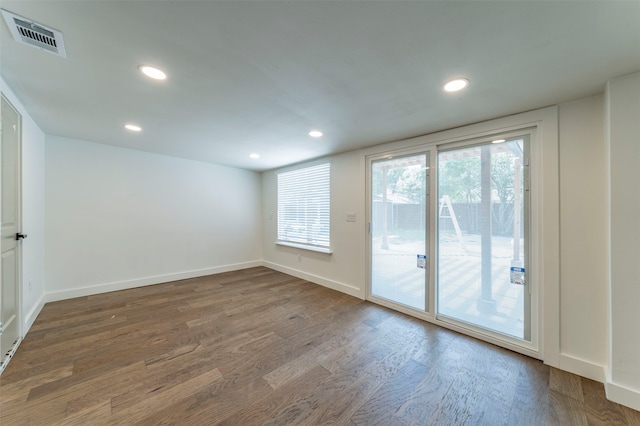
(258, 347)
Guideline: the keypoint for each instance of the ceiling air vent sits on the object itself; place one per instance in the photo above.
(34, 34)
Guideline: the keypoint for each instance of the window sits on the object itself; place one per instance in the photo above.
(303, 208)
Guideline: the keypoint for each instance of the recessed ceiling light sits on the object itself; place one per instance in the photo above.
(132, 127)
(315, 133)
(455, 85)
(152, 72)
(254, 155)
(498, 141)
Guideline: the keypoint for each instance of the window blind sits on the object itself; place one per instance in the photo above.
(304, 206)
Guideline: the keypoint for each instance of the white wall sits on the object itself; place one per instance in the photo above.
(623, 143)
(32, 212)
(344, 269)
(119, 218)
(583, 248)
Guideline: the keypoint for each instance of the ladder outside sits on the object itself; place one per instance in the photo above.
(445, 202)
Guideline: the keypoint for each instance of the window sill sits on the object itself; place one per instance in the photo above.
(305, 247)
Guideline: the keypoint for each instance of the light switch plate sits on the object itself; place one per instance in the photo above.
(351, 217)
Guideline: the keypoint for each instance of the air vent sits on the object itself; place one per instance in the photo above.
(34, 34)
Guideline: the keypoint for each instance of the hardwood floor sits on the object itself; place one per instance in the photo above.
(260, 347)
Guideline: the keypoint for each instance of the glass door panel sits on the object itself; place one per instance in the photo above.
(399, 206)
(482, 241)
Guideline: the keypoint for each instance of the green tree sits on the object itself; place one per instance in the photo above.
(502, 172)
(411, 184)
(460, 179)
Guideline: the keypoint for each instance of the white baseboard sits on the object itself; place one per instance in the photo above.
(141, 282)
(615, 393)
(334, 285)
(30, 318)
(582, 368)
(623, 395)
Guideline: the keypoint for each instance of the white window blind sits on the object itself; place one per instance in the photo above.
(303, 206)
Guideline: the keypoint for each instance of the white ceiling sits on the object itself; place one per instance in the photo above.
(248, 77)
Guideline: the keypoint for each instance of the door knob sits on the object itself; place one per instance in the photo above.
(20, 236)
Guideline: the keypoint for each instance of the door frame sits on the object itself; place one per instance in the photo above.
(4, 361)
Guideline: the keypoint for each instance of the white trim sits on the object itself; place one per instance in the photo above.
(145, 281)
(318, 249)
(622, 395)
(548, 231)
(610, 393)
(334, 285)
(30, 318)
(582, 368)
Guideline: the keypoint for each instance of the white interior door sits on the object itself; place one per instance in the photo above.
(10, 228)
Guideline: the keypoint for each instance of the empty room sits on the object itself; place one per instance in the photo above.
(320, 212)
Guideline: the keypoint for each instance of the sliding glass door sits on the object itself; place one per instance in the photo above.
(482, 240)
(398, 245)
(462, 259)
